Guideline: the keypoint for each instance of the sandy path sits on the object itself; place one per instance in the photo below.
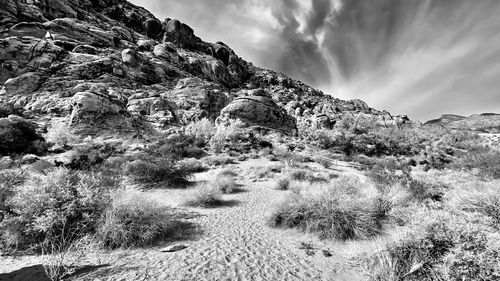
(235, 245)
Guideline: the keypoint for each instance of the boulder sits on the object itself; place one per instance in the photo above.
(22, 84)
(322, 121)
(257, 108)
(146, 45)
(130, 57)
(153, 28)
(90, 105)
(85, 49)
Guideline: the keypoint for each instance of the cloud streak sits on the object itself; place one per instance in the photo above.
(416, 57)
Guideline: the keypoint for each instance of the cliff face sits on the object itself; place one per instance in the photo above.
(110, 65)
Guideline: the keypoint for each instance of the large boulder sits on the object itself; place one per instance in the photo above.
(257, 108)
(89, 106)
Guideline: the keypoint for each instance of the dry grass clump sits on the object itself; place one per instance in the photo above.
(283, 184)
(225, 181)
(205, 195)
(478, 197)
(218, 160)
(306, 175)
(343, 209)
(265, 172)
(134, 219)
(441, 245)
(192, 165)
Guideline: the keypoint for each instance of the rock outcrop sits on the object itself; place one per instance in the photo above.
(257, 108)
(107, 64)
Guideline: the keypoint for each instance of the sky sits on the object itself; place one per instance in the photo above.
(421, 58)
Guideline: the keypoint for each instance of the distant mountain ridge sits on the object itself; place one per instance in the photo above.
(485, 122)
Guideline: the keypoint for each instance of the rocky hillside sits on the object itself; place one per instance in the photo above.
(108, 65)
(486, 122)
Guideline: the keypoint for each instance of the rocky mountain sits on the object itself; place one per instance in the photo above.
(108, 65)
(486, 122)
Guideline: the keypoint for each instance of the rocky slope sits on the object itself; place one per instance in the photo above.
(108, 65)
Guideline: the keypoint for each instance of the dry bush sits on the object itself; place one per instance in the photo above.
(343, 209)
(60, 134)
(225, 182)
(177, 147)
(486, 161)
(226, 134)
(205, 195)
(283, 184)
(91, 157)
(201, 130)
(264, 172)
(477, 197)
(192, 165)
(61, 254)
(441, 245)
(218, 160)
(62, 201)
(305, 175)
(151, 170)
(134, 219)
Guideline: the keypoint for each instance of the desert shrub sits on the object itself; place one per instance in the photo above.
(475, 255)
(91, 156)
(225, 181)
(441, 246)
(426, 189)
(9, 179)
(265, 171)
(389, 171)
(205, 195)
(299, 174)
(283, 184)
(176, 146)
(340, 210)
(201, 130)
(325, 162)
(153, 170)
(134, 219)
(486, 161)
(324, 139)
(218, 160)
(477, 197)
(192, 165)
(226, 134)
(62, 254)
(61, 202)
(292, 159)
(60, 134)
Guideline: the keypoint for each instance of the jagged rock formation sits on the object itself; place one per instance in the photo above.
(108, 64)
